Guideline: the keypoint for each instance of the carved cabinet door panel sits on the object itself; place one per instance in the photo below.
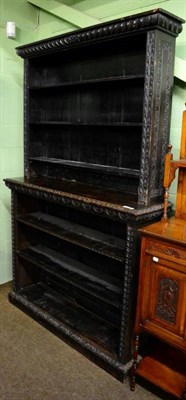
(164, 300)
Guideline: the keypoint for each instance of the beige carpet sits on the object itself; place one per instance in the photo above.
(36, 365)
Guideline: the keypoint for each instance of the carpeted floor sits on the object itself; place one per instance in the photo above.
(36, 365)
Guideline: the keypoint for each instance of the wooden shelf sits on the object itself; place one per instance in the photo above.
(79, 274)
(165, 367)
(66, 312)
(89, 166)
(88, 82)
(77, 123)
(91, 239)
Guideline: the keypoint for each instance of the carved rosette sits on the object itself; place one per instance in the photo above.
(167, 300)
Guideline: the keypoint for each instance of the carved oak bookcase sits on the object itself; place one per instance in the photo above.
(97, 116)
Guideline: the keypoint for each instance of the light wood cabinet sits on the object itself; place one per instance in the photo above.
(161, 306)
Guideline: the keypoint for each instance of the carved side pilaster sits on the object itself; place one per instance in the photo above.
(128, 291)
(14, 236)
(147, 105)
(26, 120)
(156, 122)
(164, 85)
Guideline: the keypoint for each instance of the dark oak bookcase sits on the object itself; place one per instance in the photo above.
(97, 116)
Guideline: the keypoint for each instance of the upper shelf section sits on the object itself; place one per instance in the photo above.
(99, 66)
(158, 19)
(109, 169)
(98, 102)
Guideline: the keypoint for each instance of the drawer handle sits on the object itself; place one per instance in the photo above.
(155, 259)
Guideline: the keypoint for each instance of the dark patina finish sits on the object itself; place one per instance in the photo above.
(97, 116)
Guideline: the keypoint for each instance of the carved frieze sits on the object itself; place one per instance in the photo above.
(94, 206)
(167, 250)
(145, 21)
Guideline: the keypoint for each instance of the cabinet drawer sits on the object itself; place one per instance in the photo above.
(167, 250)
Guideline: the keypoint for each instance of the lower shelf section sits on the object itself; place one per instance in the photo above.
(81, 327)
(86, 237)
(165, 367)
(76, 272)
(78, 318)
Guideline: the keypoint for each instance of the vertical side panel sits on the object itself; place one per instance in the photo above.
(157, 109)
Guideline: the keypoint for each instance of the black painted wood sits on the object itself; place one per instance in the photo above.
(97, 115)
(75, 316)
(74, 233)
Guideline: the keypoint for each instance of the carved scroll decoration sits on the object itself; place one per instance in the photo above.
(156, 124)
(84, 204)
(161, 124)
(148, 94)
(170, 251)
(167, 300)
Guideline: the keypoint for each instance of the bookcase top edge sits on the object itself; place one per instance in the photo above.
(154, 19)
